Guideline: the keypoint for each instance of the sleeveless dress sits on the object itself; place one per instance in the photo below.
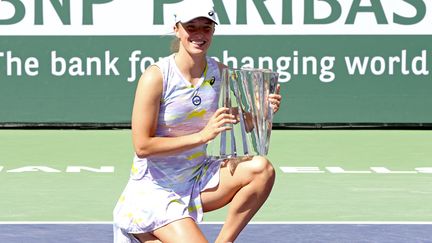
(162, 189)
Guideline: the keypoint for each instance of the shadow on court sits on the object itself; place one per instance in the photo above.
(352, 233)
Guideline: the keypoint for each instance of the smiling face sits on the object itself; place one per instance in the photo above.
(195, 36)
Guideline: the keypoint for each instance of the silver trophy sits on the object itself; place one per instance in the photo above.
(245, 92)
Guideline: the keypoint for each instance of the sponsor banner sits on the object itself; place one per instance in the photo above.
(253, 17)
(341, 79)
(340, 61)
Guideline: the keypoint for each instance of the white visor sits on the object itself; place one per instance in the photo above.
(189, 10)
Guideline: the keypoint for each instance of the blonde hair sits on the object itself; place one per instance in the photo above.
(175, 44)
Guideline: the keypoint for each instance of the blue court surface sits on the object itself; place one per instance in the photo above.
(255, 232)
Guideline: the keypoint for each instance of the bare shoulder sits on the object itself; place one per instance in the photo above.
(151, 80)
(152, 75)
(150, 83)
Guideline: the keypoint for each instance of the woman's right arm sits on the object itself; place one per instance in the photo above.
(145, 118)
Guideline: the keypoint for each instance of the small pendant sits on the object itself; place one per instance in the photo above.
(196, 100)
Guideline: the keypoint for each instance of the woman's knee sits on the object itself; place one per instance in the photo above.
(262, 167)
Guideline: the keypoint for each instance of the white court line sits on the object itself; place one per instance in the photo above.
(221, 222)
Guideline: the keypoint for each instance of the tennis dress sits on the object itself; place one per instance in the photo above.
(162, 189)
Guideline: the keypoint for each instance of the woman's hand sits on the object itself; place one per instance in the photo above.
(275, 99)
(247, 118)
(216, 124)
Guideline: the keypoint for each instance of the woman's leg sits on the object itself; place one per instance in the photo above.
(246, 190)
(147, 238)
(183, 230)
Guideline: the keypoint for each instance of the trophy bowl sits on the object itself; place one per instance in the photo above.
(245, 92)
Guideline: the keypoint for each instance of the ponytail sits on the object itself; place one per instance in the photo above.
(175, 44)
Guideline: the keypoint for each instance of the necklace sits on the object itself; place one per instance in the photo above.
(196, 99)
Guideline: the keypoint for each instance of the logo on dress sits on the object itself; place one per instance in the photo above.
(196, 100)
(212, 80)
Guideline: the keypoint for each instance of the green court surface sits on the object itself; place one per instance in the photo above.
(358, 175)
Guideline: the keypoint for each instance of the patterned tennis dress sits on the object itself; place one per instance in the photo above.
(162, 189)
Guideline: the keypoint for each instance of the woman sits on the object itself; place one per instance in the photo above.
(175, 114)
